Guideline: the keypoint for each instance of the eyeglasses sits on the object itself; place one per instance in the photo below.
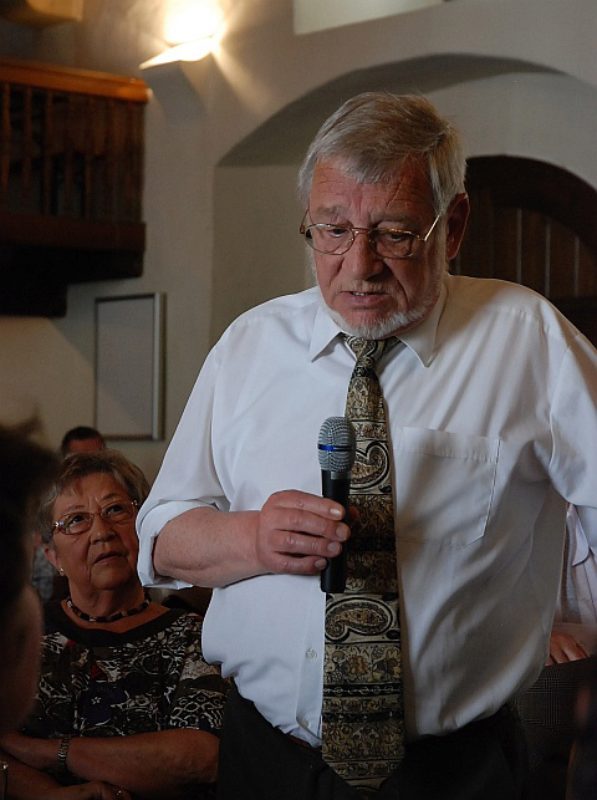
(335, 240)
(81, 521)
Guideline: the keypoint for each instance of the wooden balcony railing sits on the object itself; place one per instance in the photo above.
(71, 180)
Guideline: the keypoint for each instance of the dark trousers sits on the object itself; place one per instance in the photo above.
(485, 760)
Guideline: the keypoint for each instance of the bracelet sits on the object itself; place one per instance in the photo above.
(63, 753)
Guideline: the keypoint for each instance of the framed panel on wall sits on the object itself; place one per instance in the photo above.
(129, 349)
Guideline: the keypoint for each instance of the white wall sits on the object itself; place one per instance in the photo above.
(224, 138)
(313, 15)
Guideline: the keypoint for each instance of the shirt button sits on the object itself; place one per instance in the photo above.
(311, 654)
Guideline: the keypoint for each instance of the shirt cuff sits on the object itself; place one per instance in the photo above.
(148, 530)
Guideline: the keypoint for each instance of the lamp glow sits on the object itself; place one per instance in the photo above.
(185, 16)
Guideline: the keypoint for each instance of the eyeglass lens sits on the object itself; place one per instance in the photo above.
(81, 521)
(336, 240)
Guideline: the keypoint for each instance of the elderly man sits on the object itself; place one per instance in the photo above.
(473, 406)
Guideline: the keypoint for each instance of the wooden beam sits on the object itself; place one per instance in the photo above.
(68, 79)
(39, 230)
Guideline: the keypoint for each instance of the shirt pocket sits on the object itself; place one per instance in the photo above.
(444, 485)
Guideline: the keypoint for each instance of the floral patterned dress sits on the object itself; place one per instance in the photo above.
(150, 678)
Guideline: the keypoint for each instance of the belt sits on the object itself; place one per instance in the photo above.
(302, 742)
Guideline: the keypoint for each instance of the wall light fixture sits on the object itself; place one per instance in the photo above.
(186, 51)
(191, 30)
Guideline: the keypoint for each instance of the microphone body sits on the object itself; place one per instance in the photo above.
(335, 486)
(336, 447)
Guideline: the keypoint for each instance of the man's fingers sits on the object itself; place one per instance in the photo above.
(299, 554)
(563, 647)
(298, 532)
(303, 501)
(301, 513)
(299, 544)
(298, 565)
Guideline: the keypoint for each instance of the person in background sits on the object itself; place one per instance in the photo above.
(81, 439)
(548, 708)
(490, 411)
(44, 578)
(25, 471)
(125, 704)
(574, 633)
(582, 774)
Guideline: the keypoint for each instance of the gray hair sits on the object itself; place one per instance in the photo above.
(375, 132)
(79, 465)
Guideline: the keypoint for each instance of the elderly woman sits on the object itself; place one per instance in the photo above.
(126, 705)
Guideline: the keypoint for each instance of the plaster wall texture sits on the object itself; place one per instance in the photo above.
(224, 138)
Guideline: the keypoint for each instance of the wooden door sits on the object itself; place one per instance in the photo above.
(535, 224)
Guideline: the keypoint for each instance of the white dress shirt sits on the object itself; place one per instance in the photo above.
(576, 611)
(491, 405)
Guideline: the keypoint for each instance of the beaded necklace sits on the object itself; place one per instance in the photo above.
(110, 617)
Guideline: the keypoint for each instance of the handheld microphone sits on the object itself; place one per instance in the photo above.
(336, 447)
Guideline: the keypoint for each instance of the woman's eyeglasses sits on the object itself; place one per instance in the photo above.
(81, 521)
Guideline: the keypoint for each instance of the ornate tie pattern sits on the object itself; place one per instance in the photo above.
(363, 727)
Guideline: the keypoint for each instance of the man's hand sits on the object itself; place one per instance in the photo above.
(297, 532)
(563, 647)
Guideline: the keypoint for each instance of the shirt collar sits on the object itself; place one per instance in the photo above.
(325, 331)
(420, 339)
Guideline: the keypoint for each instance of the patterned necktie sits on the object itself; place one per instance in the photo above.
(362, 716)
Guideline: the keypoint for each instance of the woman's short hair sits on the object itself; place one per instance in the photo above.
(373, 134)
(79, 465)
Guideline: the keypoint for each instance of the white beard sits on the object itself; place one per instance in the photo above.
(391, 325)
(394, 324)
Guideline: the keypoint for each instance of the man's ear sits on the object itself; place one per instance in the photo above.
(456, 224)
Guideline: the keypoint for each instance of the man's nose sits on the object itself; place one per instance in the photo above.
(361, 259)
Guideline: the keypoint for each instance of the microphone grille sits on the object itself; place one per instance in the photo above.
(336, 445)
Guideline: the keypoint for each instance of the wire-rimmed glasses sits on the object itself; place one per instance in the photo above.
(335, 240)
(81, 521)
